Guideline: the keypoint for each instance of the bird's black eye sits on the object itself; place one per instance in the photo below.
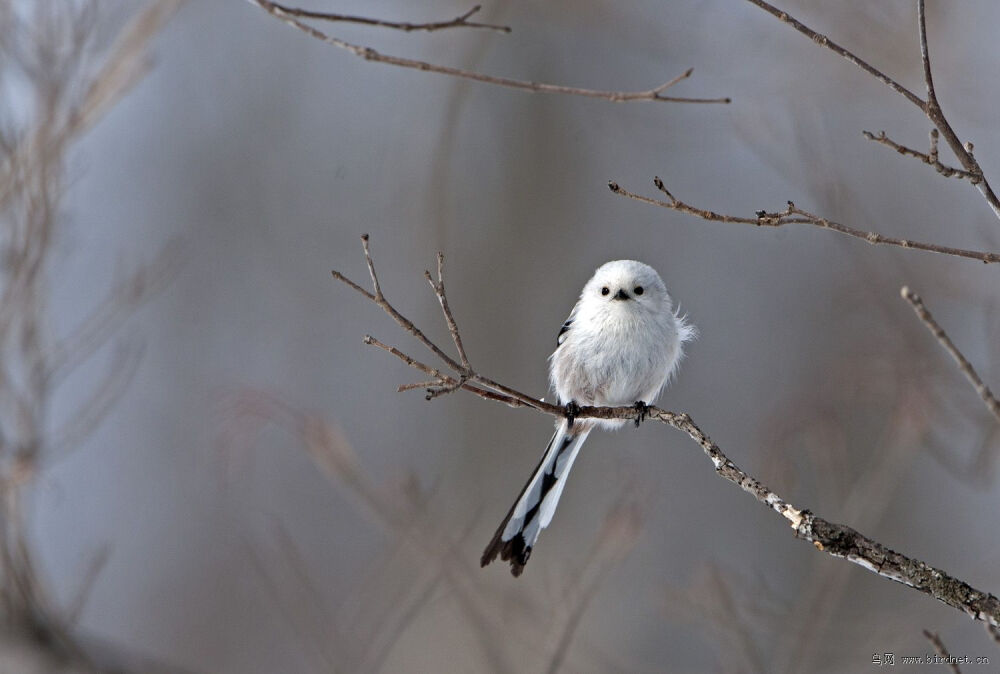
(605, 290)
(637, 290)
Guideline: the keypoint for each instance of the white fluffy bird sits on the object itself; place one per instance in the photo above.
(620, 345)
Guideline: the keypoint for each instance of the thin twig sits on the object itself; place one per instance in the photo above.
(931, 158)
(946, 657)
(835, 539)
(443, 379)
(792, 215)
(461, 21)
(371, 267)
(445, 389)
(992, 404)
(925, 58)
(449, 317)
(412, 362)
(369, 54)
(930, 107)
(508, 395)
(963, 151)
(419, 385)
(403, 322)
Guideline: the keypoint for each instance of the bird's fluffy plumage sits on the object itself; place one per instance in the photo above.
(620, 345)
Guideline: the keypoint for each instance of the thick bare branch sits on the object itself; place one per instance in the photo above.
(930, 107)
(461, 21)
(992, 404)
(792, 215)
(369, 54)
(835, 539)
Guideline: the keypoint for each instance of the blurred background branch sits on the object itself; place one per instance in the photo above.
(362, 633)
(48, 53)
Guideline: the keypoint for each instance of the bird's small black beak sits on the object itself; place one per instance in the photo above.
(622, 295)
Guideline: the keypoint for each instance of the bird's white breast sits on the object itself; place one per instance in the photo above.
(616, 355)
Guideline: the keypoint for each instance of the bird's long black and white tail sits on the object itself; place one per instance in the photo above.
(534, 508)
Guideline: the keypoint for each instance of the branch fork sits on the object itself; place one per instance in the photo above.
(931, 108)
(930, 158)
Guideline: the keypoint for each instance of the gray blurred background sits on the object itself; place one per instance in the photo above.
(268, 503)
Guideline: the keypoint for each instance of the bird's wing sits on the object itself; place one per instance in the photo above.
(561, 337)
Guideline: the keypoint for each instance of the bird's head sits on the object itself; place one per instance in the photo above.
(626, 283)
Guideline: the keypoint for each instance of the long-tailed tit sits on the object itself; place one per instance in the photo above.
(620, 345)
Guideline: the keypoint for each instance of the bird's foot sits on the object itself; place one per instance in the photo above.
(572, 409)
(643, 410)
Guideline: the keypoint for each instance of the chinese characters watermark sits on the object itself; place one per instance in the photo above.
(889, 659)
